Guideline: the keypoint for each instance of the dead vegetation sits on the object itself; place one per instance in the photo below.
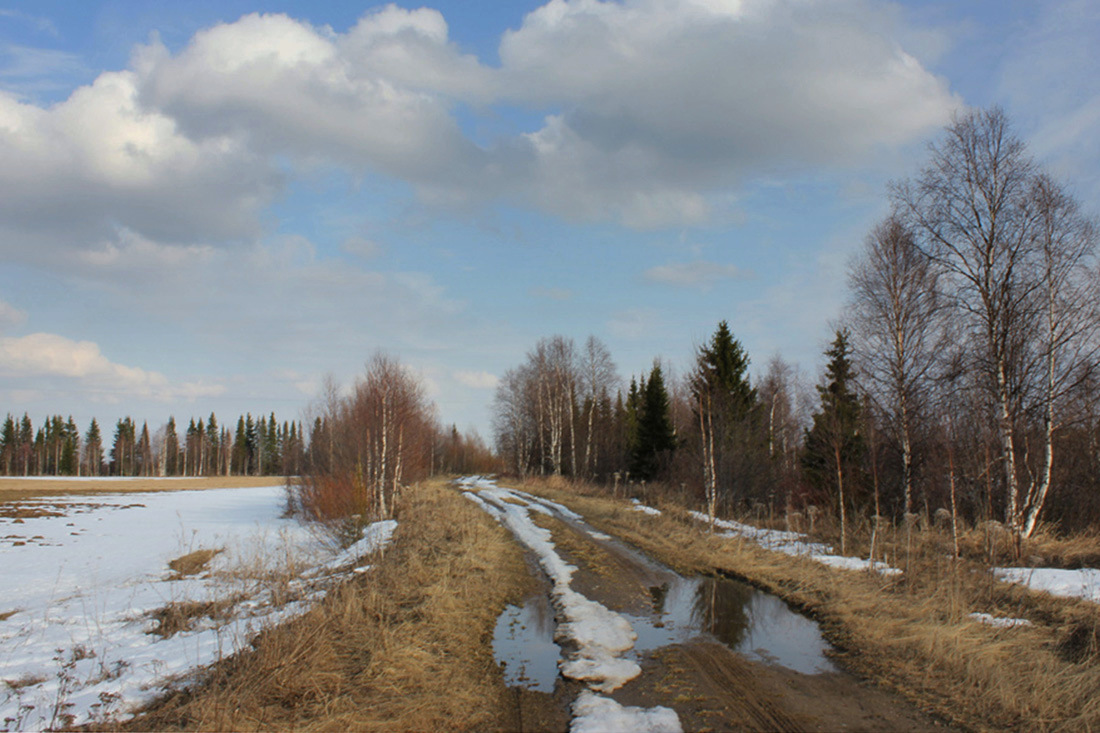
(403, 647)
(192, 563)
(182, 616)
(910, 632)
(18, 488)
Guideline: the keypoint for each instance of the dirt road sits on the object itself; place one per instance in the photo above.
(703, 667)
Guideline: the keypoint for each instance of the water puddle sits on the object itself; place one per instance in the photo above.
(753, 623)
(524, 642)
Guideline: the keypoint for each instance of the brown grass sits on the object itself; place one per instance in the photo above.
(176, 617)
(910, 633)
(192, 563)
(406, 646)
(14, 488)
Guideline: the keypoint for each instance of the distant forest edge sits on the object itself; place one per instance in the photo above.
(257, 447)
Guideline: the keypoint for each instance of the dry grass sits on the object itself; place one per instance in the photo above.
(911, 632)
(406, 646)
(192, 563)
(14, 488)
(176, 617)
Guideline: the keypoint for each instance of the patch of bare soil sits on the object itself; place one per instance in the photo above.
(712, 687)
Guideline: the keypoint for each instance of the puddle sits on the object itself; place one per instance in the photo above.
(524, 642)
(753, 623)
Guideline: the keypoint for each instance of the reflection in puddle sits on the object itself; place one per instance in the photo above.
(753, 623)
(524, 642)
(749, 621)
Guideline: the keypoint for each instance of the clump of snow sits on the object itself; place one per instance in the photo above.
(594, 713)
(1082, 583)
(598, 535)
(999, 622)
(600, 635)
(795, 544)
(640, 507)
(85, 593)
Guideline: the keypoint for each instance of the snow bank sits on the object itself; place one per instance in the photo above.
(1083, 583)
(998, 622)
(85, 586)
(792, 543)
(594, 713)
(600, 635)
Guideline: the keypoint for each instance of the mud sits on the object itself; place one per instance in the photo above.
(700, 676)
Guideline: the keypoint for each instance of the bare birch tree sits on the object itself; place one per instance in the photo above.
(894, 310)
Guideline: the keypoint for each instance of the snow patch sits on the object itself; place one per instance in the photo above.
(594, 713)
(640, 507)
(998, 622)
(1082, 583)
(795, 544)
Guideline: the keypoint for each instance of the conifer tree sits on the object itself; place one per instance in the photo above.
(93, 449)
(26, 443)
(655, 435)
(9, 443)
(212, 447)
(834, 448)
(171, 448)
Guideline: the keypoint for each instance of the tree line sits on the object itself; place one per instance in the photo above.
(258, 446)
(964, 376)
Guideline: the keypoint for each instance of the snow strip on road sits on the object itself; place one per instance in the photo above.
(1083, 583)
(795, 544)
(601, 635)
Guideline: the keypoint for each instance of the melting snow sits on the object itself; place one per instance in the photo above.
(1001, 623)
(594, 713)
(792, 543)
(1083, 583)
(640, 507)
(600, 635)
(78, 646)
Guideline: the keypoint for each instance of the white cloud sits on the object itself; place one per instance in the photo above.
(699, 274)
(75, 172)
(477, 380)
(656, 103)
(45, 355)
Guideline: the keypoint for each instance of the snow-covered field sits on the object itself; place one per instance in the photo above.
(600, 635)
(83, 581)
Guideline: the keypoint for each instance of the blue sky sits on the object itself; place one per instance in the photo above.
(209, 206)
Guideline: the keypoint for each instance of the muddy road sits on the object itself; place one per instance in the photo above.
(721, 654)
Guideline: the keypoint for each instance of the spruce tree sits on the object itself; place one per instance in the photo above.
(9, 443)
(655, 434)
(26, 443)
(93, 449)
(834, 450)
(171, 448)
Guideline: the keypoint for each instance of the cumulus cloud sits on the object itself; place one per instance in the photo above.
(654, 110)
(45, 355)
(699, 274)
(75, 172)
(477, 380)
(656, 102)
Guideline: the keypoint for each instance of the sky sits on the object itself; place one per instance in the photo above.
(212, 206)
